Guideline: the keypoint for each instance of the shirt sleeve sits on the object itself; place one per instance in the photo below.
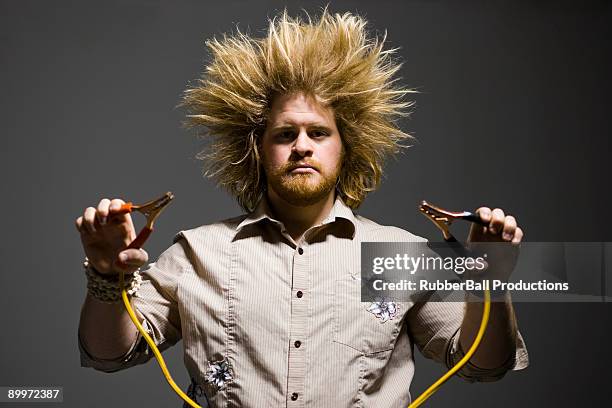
(156, 300)
(470, 372)
(435, 328)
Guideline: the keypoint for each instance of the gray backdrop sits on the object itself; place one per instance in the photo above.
(513, 112)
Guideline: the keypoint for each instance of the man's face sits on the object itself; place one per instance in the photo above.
(302, 149)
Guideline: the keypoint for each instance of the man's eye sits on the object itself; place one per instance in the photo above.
(287, 134)
(319, 133)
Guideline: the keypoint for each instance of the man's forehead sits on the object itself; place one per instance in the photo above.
(299, 109)
(291, 121)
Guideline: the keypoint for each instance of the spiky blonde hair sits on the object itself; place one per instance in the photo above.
(332, 58)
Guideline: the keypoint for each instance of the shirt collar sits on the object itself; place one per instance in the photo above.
(339, 212)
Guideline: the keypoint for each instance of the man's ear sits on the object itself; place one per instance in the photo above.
(259, 146)
(259, 154)
(343, 152)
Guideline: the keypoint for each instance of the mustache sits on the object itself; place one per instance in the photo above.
(302, 163)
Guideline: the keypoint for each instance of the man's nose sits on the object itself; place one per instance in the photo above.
(303, 144)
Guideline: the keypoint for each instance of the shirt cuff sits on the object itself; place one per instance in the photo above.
(139, 353)
(472, 373)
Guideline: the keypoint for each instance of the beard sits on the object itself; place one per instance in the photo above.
(301, 189)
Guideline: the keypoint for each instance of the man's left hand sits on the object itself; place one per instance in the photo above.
(499, 228)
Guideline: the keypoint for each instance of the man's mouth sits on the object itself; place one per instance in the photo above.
(302, 168)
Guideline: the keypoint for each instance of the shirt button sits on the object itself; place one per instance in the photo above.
(299, 294)
(300, 251)
(297, 344)
(294, 396)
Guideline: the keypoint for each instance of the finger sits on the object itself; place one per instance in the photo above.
(518, 236)
(135, 257)
(79, 223)
(89, 219)
(114, 207)
(102, 212)
(509, 228)
(484, 213)
(497, 221)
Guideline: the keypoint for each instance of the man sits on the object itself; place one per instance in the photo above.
(268, 304)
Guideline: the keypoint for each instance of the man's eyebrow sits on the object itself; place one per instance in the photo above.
(311, 126)
(320, 127)
(283, 126)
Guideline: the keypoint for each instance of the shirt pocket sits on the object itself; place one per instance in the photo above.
(355, 326)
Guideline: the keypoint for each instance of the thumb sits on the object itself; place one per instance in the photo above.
(132, 258)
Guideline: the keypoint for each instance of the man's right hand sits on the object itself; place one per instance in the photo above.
(105, 235)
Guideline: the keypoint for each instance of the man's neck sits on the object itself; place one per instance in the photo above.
(296, 219)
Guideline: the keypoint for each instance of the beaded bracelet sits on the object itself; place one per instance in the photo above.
(106, 288)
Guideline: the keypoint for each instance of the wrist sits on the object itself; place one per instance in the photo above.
(107, 287)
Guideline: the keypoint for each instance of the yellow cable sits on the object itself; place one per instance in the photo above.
(483, 326)
(417, 402)
(158, 356)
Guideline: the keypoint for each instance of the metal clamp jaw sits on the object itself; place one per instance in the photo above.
(443, 218)
(151, 211)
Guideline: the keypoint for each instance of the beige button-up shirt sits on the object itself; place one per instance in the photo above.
(286, 318)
